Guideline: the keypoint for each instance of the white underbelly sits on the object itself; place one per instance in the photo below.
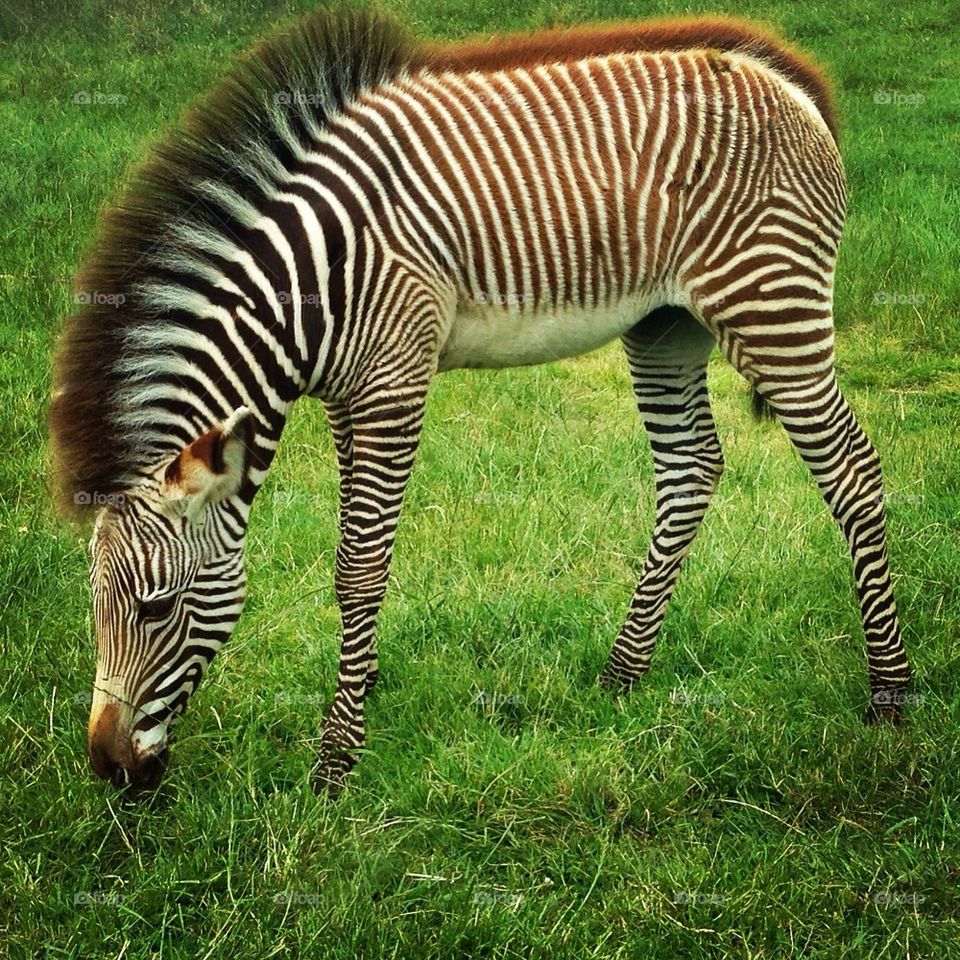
(495, 336)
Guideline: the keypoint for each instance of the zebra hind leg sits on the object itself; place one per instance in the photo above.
(797, 380)
(667, 354)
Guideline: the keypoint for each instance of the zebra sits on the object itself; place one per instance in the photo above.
(351, 212)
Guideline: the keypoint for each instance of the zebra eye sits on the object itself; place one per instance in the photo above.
(156, 609)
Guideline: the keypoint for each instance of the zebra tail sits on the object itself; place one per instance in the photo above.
(759, 406)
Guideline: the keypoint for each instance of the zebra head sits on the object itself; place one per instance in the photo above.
(168, 587)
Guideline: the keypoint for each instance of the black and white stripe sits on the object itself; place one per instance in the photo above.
(448, 219)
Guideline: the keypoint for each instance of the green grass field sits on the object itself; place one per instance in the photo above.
(732, 806)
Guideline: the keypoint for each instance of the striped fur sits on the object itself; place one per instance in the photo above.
(675, 185)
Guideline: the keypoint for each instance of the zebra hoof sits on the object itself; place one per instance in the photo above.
(886, 706)
(330, 774)
(616, 681)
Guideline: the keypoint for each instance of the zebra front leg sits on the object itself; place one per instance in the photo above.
(338, 415)
(385, 430)
(667, 353)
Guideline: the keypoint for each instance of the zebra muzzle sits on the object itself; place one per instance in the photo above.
(114, 757)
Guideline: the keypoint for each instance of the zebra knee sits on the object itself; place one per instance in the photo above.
(360, 571)
(704, 463)
(863, 453)
(711, 462)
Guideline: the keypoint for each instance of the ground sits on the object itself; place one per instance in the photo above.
(732, 806)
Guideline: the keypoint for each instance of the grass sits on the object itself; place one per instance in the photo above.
(733, 806)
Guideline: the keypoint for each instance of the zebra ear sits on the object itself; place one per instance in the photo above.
(211, 468)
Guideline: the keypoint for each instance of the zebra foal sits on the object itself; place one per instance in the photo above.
(350, 213)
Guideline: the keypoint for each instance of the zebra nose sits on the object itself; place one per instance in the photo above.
(114, 758)
(144, 773)
(147, 772)
(108, 757)
(105, 767)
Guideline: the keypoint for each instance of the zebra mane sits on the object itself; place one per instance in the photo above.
(276, 100)
(728, 34)
(233, 143)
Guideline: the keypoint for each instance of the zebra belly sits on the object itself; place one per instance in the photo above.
(494, 337)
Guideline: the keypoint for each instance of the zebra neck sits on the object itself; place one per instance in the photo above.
(221, 344)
